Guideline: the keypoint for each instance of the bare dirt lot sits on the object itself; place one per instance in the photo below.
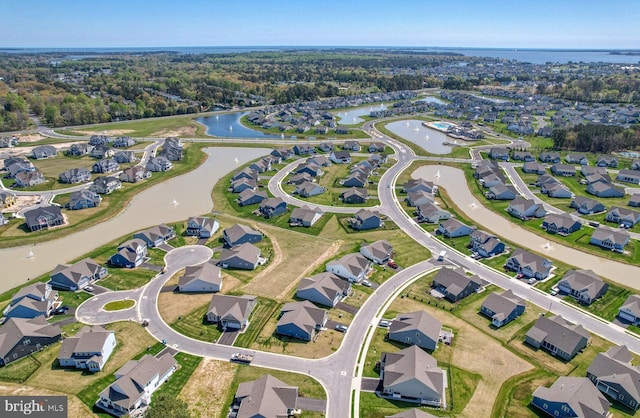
(112, 132)
(206, 390)
(21, 203)
(182, 131)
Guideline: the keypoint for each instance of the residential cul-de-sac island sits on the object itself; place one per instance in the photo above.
(341, 373)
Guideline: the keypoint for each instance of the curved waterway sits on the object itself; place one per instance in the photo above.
(429, 139)
(191, 193)
(228, 125)
(452, 180)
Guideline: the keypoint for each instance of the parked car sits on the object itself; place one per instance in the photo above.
(554, 291)
(392, 264)
(384, 323)
(366, 283)
(89, 288)
(532, 280)
(341, 328)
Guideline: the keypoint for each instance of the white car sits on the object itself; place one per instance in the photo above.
(385, 324)
(366, 283)
(341, 328)
(531, 280)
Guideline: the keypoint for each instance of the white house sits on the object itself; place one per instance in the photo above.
(89, 349)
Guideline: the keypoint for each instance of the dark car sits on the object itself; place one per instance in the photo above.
(392, 264)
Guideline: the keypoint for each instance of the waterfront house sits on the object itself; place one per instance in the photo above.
(486, 244)
(412, 375)
(231, 312)
(571, 397)
(43, 217)
(159, 164)
(261, 166)
(378, 252)
(75, 175)
(609, 239)
(88, 350)
(613, 374)
(522, 208)
(416, 328)
(251, 197)
(502, 307)
(419, 198)
(43, 152)
(562, 224)
(324, 289)
(130, 254)
(135, 384)
(21, 337)
(245, 173)
(452, 228)
(355, 195)
(455, 285)
(271, 207)
(301, 320)
(630, 310)
(105, 184)
(135, 174)
(623, 216)
(77, 276)
(431, 213)
(37, 299)
(304, 216)
(583, 285)
(156, 235)
(501, 192)
(243, 184)
(353, 267)
(419, 184)
(243, 257)
(105, 166)
(265, 397)
(172, 149)
(201, 227)
(83, 199)
(528, 264)
(558, 336)
(586, 206)
(205, 277)
(240, 234)
(365, 219)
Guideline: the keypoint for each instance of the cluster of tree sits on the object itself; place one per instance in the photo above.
(605, 89)
(596, 138)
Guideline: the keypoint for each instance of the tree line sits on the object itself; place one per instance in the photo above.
(600, 139)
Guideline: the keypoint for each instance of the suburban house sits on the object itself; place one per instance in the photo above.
(301, 320)
(613, 374)
(105, 184)
(20, 337)
(320, 160)
(584, 285)
(245, 173)
(312, 169)
(83, 199)
(231, 312)
(366, 219)
(607, 161)
(205, 277)
(609, 239)
(561, 224)
(376, 147)
(159, 164)
(586, 206)
(416, 328)
(172, 149)
(265, 397)
(37, 299)
(43, 217)
(353, 267)
(340, 157)
(304, 216)
(630, 310)
(455, 285)
(324, 289)
(43, 152)
(492, 179)
(17, 165)
(261, 166)
(352, 146)
(7, 199)
(89, 349)
(355, 180)
(522, 208)
(534, 168)
(564, 170)
(123, 142)
(80, 149)
(135, 174)
(308, 189)
(271, 207)
(28, 178)
(558, 336)
(452, 228)
(496, 153)
(201, 227)
(628, 176)
(378, 252)
(77, 276)
(571, 397)
(108, 165)
(282, 153)
(300, 178)
(130, 254)
(251, 197)
(623, 216)
(501, 192)
(99, 140)
(156, 235)
(634, 200)
(419, 198)
(431, 213)
(550, 157)
(419, 184)
(502, 307)
(576, 159)
(601, 189)
(486, 244)
(244, 257)
(528, 264)
(240, 234)
(586, 170)
(135, 382)
(357, 195)
(243, 184)
(522, 156)
(123, 157)
(75, 175)
(303, 149)
(412, 375)
(102, 151)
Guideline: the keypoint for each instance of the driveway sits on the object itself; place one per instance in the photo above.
(228, 337)
(166, 247)
(370, 384)
(311, 404)
(347, 308)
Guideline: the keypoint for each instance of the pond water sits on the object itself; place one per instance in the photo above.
(191, 193)
(431, 99)
(429, 139)
(227, 125)
(352, 117)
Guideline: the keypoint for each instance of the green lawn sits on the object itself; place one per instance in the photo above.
(264, 310)
(194, 325)
(187, 364)
(125, 279)
(20, 370)
(119, 305)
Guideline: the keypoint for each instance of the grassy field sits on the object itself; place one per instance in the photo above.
(183, 126)
(193, 325)
(119, 305)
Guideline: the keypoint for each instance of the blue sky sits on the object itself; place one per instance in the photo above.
(472, 23)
